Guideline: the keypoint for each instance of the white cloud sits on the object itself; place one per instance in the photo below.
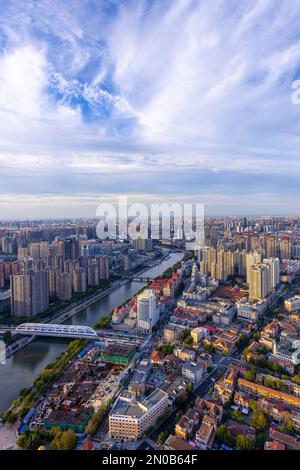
(170, 86)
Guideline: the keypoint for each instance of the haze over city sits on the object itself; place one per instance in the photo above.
(168, 100)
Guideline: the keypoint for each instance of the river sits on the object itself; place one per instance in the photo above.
(23, 367)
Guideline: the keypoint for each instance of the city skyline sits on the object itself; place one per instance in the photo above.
(187, 100)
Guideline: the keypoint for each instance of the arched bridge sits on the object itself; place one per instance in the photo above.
(60, 331)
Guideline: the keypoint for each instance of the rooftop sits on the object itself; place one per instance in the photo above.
(128, 405)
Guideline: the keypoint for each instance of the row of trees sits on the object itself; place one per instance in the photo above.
(28, 396)
(59, 440)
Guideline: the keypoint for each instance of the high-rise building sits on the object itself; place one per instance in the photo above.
(103, 267)
(251, 259)
(93, 275)
(52, 274)
(274, 271)
(7, 245)
(39, 250)
(270, 247)
(239, 259)
(147, 312)
(142, 243)
(285, 248)
(64, 286)
(259, 281)
(22, 253)
(29, 294)
(79, 280)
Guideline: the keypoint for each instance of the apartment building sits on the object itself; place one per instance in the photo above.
(130, 417)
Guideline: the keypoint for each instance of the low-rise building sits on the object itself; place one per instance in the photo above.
(185, 354)
(290, 442)
(176, 443)
(198, 334)
(267, 392)
(205, 360)
(118, 354)
(206, 433)
(157, 357)
(192, 371)
(172, 332)
(292, 304)
(187, 423)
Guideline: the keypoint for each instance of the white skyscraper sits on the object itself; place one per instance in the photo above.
(147, 312)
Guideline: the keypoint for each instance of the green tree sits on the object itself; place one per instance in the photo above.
(260, 440)
(242, 443)
(184, 334)
(252, 405)
(65, 440)
(224, 435)
(259, 420)
(237, 416)
(166, 348)
(32, 440)
(250, 375)
(96, 421)
(162, 437)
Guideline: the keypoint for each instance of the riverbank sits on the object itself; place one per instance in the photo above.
(68, 312)
(23, 367)
(8, 437)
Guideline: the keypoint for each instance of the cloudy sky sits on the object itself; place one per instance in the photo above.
(181, 99)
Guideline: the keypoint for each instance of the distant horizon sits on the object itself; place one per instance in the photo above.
(95, 218)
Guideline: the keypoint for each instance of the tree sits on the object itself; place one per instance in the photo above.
(260, 440)
(259, 421)
(31, 440)
(166, 348)
(24, 392)
(189, 389)
(163, 436)
(287, 422)
(241, 340)
(237, 416)
(184, 334)
(188, 340)
(242, 443)
(250, 375)
(273, 383)
(65, 440)
(54, 431)
(227, 405)
(224, 435)
(252, 405)
(95, 422)
(10, 417)
(208, 347)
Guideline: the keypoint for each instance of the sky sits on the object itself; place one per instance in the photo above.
(163, 100)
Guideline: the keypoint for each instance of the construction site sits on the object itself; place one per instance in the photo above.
(83, 387)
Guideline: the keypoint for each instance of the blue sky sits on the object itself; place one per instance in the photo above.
(177, 100)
